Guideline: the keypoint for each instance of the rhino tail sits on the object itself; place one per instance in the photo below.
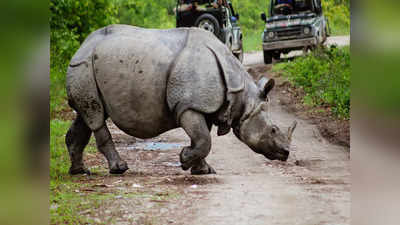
(83, 94)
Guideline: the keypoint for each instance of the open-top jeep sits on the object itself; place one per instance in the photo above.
(293, 25)
(216, 16)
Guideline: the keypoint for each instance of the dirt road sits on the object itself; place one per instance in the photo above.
(312, 188)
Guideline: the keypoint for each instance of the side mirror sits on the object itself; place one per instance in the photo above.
(263, 17)
(234, 19)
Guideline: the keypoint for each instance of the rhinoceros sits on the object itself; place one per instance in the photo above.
(150, 81)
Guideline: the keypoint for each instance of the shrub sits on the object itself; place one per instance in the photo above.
(324, 75)
(338, 14)
(71, 21)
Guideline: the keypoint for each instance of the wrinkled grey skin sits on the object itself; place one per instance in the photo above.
(151, 81)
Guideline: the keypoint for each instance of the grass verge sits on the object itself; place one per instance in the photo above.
(324, 76)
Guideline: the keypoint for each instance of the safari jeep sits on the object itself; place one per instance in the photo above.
(293, 25)
(216, 16)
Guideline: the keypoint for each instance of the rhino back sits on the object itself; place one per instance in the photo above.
(131, 69)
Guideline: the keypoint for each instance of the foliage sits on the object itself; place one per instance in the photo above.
(148, 14)
(58, 93)
(324, 75)
(71, 21)
(338, 14)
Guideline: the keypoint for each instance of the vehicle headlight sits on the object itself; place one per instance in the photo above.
(307, 30)
(271, 34)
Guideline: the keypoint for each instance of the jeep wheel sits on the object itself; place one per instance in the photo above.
(209, 23)
(267, 57)
(276, 55)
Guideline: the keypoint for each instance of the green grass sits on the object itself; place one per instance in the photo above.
(252, 41)
(339, 30)
(62, 185)
(58, 94)
(324, 75)
(59, 158)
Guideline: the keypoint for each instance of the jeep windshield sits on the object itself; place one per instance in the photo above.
(290, 7)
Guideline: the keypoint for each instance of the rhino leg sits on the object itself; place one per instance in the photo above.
(202, 167)
(195, 126)
(76, 140)
(106, 146)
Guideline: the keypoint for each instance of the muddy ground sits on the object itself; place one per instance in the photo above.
(312, 188)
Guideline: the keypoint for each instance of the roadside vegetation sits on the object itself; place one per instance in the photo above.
(324, 76)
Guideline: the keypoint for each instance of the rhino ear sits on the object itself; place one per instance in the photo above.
(265, 85)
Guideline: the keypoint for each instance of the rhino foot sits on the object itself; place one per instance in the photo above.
(81, 170)
(119, 168)
(203, 171)
(187, 159)
(201, 168)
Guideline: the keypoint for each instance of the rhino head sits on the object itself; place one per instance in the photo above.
(256, 129)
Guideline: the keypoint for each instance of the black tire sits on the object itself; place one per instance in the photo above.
(208, 22)
(267, 57)
(276, 55)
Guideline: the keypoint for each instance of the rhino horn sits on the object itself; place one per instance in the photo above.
(265, 85)
(291, 130)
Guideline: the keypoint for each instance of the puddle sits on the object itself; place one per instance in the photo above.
(175, 164)
(153, 146)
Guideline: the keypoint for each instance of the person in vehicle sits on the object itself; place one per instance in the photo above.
(284, 7)
(186, 5)
(217, 3)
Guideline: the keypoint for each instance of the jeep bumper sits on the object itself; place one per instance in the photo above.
(289, 44)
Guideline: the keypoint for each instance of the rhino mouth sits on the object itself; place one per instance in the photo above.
(282, 155)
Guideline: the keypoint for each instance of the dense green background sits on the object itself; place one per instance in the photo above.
(72, 20)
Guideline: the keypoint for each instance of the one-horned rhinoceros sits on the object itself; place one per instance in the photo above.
(151, 81)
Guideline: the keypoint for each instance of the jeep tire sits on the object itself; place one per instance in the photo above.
(267, 57)
(276, 55)
(208, 22)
